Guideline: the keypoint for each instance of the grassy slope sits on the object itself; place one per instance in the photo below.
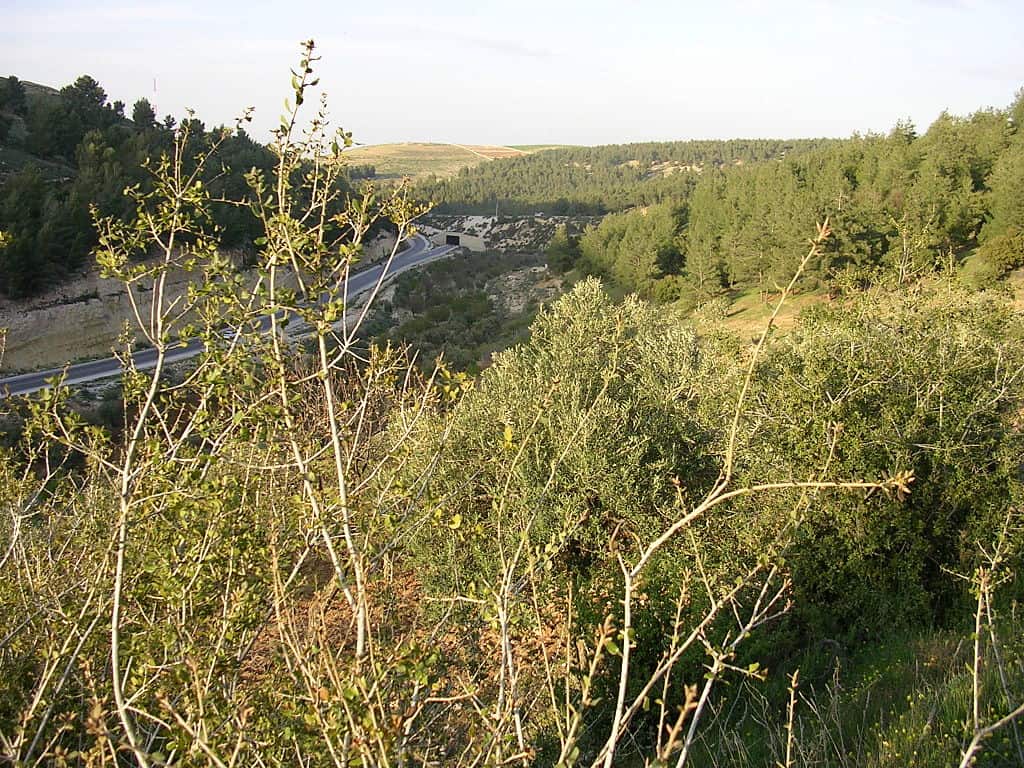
(749, 310)
(746, 312)
(419, 159)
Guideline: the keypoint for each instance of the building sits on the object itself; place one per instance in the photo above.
(462, 239)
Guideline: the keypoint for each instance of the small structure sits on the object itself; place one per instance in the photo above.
(462, 239)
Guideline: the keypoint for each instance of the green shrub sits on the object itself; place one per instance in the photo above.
(995, 259)
(568, 438)
(882, 383)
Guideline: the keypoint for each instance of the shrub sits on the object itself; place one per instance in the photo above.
(995, 259)
(569, 438)
(865, 387)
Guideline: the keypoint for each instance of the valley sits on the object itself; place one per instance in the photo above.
(622, 452)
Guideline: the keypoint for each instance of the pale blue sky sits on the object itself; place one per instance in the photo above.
(535, 72)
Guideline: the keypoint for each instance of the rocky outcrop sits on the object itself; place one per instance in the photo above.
(83, 318)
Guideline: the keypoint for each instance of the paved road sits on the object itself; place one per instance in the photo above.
(419, 251)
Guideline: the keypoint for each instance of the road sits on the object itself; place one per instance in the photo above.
(418, 252)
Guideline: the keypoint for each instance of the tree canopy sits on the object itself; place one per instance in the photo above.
(83, 153)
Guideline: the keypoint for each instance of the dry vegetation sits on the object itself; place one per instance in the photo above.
(417, 159)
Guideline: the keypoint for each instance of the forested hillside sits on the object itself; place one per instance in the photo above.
(694, 220)
(64, 153)
(907, 204)
(595, 180)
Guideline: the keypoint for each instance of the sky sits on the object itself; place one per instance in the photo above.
(528, 72)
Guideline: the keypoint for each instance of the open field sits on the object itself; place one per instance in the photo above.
(414, 159)
(420, 159)
(492, 152)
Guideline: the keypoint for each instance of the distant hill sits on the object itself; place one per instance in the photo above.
(36, 90)
(421, 159)
(585, 180)
(14, 130)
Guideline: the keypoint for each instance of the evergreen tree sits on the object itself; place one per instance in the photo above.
(563, 250)
(1006, 200)
(24, 267)
(12, 96)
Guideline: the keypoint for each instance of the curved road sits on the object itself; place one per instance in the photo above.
(416, 254)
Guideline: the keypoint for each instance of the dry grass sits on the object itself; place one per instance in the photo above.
(417, 160)
(748, 312)
(414, 160)
(1016, 283)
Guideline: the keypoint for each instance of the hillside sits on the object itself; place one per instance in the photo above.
(15, 156)
(67, 156)
(422, 160)
(542, 504)
(596, 180)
